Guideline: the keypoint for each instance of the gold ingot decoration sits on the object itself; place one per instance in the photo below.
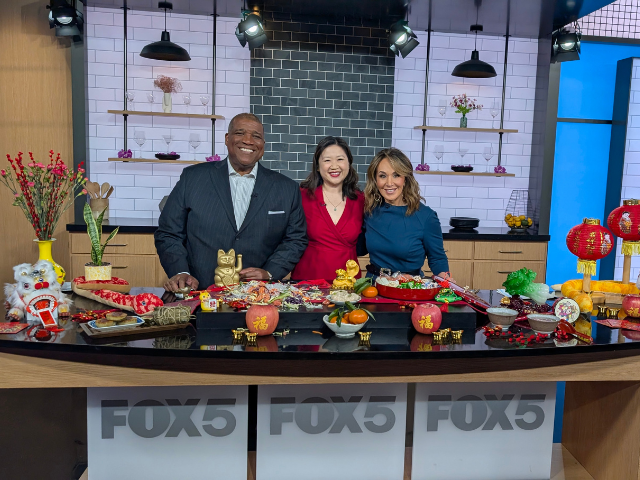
(345, 279)
(613, 312)
(251, 339)
(456, 336)
(238, 335)
(365, 338)
(602, 310)
(505, 301)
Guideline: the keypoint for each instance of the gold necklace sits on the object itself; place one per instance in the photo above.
(335, 207)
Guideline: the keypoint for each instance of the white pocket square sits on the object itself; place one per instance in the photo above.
(279, 212)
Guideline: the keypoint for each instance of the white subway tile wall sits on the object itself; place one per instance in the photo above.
(631, 172)
(481, 197)
(139, 187)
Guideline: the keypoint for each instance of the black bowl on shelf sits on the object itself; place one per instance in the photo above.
(464, 223)
(461, 168)
(167, 156)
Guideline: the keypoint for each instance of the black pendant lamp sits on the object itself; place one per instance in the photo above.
(165, 49)
(474, 68)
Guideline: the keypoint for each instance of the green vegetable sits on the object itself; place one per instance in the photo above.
(361, 284)
(520, 282)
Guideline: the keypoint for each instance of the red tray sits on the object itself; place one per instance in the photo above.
(408, 293)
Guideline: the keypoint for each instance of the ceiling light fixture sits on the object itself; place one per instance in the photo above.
(250, 30)
(165, 49)
(474, 68)
(565, 44)
(65, 18)
(402, 40)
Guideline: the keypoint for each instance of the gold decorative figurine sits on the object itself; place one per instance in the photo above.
(345, 279)
(227, 272)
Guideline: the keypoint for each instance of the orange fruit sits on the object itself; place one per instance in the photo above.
(369, 292)
(335, 319)
(345, 318)
(358, 316)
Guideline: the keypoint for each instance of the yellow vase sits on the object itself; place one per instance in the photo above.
(45, 254)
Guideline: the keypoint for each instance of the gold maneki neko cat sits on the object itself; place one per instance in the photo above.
(228, 271)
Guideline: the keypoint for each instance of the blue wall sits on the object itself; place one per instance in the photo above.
(582, 150)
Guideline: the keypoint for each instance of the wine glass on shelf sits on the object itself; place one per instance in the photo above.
(438, 152)
(442, 110)
(140, 139)
(187, 101)
(167, 139)
(204, 100)
(488, 155)
(194, 141)
(495, 109)
(462, 152)
(130, 96)
(151, 99)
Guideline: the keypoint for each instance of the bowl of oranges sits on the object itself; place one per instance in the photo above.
(346, 321)
(518, 223)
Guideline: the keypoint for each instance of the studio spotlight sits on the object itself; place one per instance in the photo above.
(65, 18)
(565, 44)
(250, 30)
(402, 40)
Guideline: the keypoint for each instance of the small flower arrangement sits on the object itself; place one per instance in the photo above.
(43, 192)
(167, 84)
(214, 158)
(500, 169)
(422, 168)
(464, 104)
(125, 154)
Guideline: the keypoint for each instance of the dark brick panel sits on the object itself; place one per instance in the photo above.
(314, 79)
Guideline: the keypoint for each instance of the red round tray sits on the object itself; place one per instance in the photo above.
(407, 293)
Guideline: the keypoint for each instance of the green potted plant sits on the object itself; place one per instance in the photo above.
(96, 269)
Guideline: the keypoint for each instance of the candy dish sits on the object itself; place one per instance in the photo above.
(502, 317)
(543, 323)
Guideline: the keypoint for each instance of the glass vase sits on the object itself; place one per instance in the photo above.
(44, 247)
(463, 121)
(166, 103)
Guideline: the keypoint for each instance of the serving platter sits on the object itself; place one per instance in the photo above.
(408, 293)
(127, 330)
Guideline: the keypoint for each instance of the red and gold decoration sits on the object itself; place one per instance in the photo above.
(624, 222)
(590, 242)
(631, 305)
(262, 319)
(426, 318)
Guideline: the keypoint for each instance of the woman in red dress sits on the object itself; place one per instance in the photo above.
(333, 205)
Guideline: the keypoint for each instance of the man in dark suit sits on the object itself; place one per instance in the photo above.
(235, 203)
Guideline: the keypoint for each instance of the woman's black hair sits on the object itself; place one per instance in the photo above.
(314, 180)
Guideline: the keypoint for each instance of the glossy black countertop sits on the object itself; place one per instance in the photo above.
(148, 225)
(316, 341)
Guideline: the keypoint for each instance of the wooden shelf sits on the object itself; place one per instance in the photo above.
(163, 114)
(154, 160)
(472, 174)
(470, 129)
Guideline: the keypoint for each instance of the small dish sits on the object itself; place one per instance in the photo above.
(345, 330)
(543, 323)
(567, 309)
(502, 317)
(462, 168)
(139, 321)
(167, 156)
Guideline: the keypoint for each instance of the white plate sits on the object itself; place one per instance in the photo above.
(66, 287)
(139, 321)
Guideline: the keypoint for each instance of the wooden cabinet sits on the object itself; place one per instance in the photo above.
(516, 251)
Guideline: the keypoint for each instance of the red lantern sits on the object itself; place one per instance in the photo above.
(262, 319)
(624, 222)
(426, 318)
(589, 241)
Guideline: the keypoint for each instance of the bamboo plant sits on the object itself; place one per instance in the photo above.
(94, 229)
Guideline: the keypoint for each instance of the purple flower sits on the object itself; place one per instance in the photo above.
(125, 154)
(500, 169)
(422, 168)
(215, 158)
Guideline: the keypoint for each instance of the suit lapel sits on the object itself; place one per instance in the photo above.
(260, 193)
(220, 179)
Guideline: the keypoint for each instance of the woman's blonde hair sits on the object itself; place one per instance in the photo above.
(402, 166)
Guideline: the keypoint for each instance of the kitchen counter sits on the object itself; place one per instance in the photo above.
(148, 225)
